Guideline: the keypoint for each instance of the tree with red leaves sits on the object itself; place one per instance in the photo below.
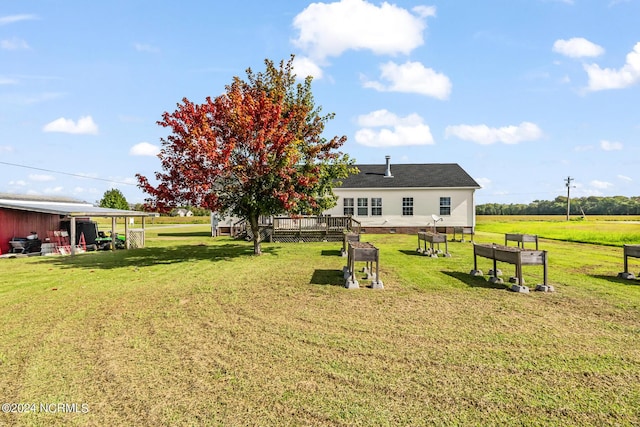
(256, 150)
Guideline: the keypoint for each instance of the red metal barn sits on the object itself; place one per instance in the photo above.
(20, 223)
(20, 216)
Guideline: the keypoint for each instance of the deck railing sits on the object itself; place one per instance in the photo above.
(300, 228)
(316, 223)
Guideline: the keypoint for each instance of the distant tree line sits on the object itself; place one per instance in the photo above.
(195, 210)
(592, 205)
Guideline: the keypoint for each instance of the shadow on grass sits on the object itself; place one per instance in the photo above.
(410, 253)
(616, 279)
(475, 281)
(186, 234)
(327, 277)
(331, 252)
(146, 257)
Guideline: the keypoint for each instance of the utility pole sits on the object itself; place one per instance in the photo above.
(568, 184)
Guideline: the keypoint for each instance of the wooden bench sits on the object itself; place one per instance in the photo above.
(362, 251)
(629, 251)
(432, 238)
(521, 239)
(512, 255)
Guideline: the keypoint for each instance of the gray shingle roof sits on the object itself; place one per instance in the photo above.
(435, 175)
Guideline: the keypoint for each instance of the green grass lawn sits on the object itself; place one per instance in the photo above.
(197, 331)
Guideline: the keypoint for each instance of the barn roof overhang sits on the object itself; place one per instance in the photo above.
(71, 210)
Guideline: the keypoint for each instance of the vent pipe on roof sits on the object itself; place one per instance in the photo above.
(387, 173)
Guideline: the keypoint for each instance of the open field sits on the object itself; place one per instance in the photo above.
(603, 230)
(197, 331)
(105, 223)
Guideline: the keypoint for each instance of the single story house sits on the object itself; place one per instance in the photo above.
(21, 215)
(407, 198)
(399, 198)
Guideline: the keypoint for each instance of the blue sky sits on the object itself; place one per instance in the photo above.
(521, 93)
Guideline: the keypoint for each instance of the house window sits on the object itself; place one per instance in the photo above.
(445, 205)
(376, 206)
(363, 206)
(407, 206)
(348, 207)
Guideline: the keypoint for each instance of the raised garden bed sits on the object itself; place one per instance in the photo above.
(432, 238)
(462, 231)
(521, 239)
(511, 255)
(347, 238)
(632, 251)
(362, 252)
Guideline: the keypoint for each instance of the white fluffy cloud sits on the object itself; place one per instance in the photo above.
(4, 20)
(7, 81)
(577, 47)
(382, 128)
(625, 178)
(601, 185)
(608, 78)
(484, 182)
(85, 125)
(329, 29)
(613, 3)
(303, 67)
(144, 149)
(41, 178)
(142, 47)
(610, 146)
(483, 134)
(384, 117)
(411, 77)
(13, 44)
(54, 190)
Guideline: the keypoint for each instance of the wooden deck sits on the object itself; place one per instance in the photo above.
(302, 229)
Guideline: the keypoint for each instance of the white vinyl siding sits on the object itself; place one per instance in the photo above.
(426, 202)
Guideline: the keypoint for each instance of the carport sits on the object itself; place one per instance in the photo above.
(20, 216)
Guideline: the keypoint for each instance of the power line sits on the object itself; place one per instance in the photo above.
(66, 173)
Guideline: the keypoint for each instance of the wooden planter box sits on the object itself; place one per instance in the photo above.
(511, 255)
(348, 238)
(363, 252)
(632, 251)
(521, 239)
(432, 238)
(462, 231)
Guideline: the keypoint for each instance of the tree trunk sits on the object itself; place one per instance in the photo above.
(255, 230)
